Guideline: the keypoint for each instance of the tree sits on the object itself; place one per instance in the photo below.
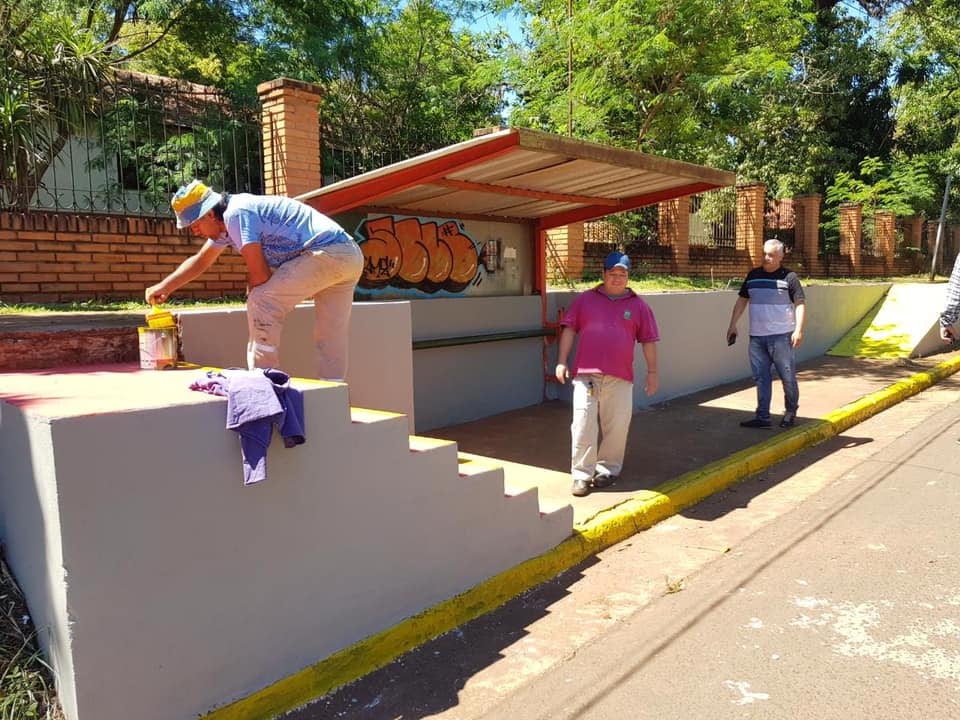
(674, 78)
(925, 39)
(52, 66)
(832, 111)
(421, 84)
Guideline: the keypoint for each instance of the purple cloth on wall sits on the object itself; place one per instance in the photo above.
(256, 401)
(292, 425)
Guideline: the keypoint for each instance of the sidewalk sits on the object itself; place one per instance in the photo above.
(465, 673)
(672, 438)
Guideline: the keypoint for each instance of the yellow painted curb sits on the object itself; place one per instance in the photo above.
(601, 531)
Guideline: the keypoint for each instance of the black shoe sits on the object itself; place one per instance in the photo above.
(789, 419)
(756, 423)
(580, 487)
(603, 480)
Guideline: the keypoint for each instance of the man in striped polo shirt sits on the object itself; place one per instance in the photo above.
(777, 312)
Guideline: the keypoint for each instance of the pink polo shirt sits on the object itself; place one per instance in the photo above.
(608, 329)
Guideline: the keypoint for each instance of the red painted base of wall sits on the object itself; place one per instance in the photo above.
(38, 350)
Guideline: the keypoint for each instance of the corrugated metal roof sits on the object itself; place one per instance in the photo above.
(519, 175)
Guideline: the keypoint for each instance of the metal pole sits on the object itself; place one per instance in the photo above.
(943, 218)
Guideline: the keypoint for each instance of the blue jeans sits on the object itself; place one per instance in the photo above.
(767, 352)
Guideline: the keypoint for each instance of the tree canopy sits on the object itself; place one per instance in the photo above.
(794, 93)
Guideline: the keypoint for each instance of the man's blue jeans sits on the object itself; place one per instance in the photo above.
(767, 352)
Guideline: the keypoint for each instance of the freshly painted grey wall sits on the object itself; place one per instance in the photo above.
(150, 569)
(166, 585)
(30, 532)
(693, 353)
(456, 384)
(465, 382)
(380, 364)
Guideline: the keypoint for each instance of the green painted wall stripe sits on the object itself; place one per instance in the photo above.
(604, 529)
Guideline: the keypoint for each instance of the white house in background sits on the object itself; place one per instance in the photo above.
(88, 175)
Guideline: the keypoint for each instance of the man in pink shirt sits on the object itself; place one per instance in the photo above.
(609, 319)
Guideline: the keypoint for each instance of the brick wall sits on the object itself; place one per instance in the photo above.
(565, 254)
(704, 262)
(291, 136)
(57, 257)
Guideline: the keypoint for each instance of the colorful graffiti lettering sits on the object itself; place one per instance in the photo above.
(417, 253)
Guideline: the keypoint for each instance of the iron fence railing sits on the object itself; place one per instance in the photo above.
(139, 138)
(340, 161)
(352, 144)
(869, 244)
(713, 219)
(634, 229)
(779, 222)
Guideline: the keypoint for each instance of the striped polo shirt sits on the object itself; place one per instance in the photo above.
(772, 298)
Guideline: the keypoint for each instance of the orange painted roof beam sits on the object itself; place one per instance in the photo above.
(405, 175)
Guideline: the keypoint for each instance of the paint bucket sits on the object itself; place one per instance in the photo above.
(158, 348)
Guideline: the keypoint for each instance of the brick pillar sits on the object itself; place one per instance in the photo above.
(751, 205)
(565, 252)
(673, 220)
(851, 225)
(886, 227)
(291, 136)
(806, 218)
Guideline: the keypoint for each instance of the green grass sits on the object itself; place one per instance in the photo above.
(640, 283)
(676, 283)
(81, 306)
(26, 682)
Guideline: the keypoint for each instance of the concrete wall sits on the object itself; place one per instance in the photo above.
(30, 532)
(380, 365)
(693, 353)
(163, 587)
(159, 582)
(452, 385)
(457, 384)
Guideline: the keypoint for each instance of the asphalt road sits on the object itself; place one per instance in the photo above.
(826, 587)
(847, 607)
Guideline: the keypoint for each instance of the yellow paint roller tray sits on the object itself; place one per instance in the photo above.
(160, 319)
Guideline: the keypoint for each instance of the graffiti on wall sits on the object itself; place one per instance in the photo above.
(417, 253)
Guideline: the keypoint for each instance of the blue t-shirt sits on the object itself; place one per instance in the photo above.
(283, 227)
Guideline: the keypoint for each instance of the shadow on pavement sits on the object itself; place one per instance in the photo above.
(427, 680)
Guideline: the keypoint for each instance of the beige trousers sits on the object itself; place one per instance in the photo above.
(328, 275)
(602, 410)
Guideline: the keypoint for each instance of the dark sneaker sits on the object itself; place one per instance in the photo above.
(603, 480)
(756, 423)
(580, 487)
(789, 419)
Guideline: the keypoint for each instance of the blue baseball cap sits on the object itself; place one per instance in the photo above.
(616, 259)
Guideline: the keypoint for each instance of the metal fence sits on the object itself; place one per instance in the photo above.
(868, 237)
(633, 229)
(779, 222)
(713, 219)
(140, 137)
(340, 160)
(352, 144)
